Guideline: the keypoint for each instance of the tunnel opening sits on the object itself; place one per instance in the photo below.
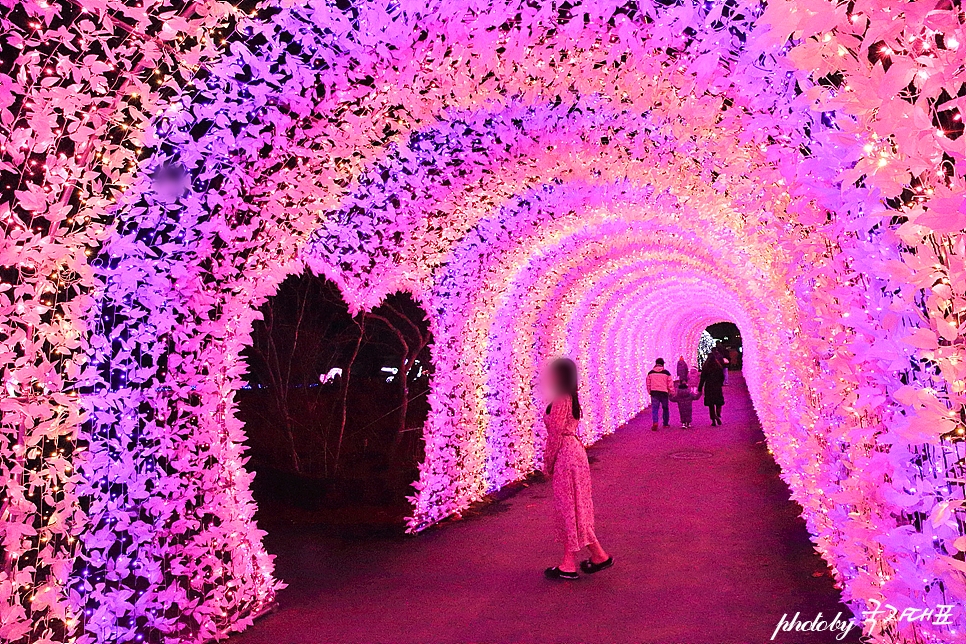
(726, 337)
(334, 406)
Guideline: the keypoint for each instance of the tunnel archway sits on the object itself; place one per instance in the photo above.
(530, 271)
(389, 147)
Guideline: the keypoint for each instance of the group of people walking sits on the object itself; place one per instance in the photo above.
(664, 389)
(565, 458)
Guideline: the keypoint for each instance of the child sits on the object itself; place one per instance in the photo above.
(683, 396)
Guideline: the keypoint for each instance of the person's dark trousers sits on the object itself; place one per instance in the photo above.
(715, 412)
(660, 399)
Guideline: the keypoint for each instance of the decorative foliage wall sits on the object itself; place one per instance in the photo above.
(600, 179)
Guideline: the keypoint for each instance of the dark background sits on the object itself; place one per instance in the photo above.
(343, 452)
(728, 337)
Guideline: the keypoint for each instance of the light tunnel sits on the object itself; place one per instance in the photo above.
(602, 181)
(612, 286)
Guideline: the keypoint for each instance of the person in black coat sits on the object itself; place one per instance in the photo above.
(712, 383)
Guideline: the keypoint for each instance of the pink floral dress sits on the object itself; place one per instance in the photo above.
(565, 461)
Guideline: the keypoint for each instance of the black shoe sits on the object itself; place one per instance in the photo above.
(590, 567)
(557, 573)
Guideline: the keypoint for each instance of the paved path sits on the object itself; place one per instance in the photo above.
(708, 551)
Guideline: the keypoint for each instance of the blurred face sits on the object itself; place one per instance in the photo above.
(560, 382)
(554, 381)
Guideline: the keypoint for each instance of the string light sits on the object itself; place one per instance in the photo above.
(747, 213)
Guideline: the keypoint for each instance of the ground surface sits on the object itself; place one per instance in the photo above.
(708, 550)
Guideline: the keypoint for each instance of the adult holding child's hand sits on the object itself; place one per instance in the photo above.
(712, 384)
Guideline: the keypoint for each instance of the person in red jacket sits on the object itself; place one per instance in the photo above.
(659, 384)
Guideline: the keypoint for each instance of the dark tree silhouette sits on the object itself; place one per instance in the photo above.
(364, 423)
(413, 338)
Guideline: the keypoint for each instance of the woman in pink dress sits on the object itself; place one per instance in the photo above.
(565, 462)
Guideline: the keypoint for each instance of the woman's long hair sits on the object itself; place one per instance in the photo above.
(713, 362)
(564, 371)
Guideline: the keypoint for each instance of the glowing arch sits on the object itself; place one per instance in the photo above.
(492, 284)
(775, 135)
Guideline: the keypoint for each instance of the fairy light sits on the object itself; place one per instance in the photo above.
(560, 273)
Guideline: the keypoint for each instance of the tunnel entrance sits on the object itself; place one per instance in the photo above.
(726, 337)
(334, 406)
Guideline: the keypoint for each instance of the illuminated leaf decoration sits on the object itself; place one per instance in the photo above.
(598, 179)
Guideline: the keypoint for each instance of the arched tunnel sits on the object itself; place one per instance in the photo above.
(601, 181)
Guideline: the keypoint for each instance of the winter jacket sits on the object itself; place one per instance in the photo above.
(712, 379)
(684, 398)
(659, 379)
(685, 395)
